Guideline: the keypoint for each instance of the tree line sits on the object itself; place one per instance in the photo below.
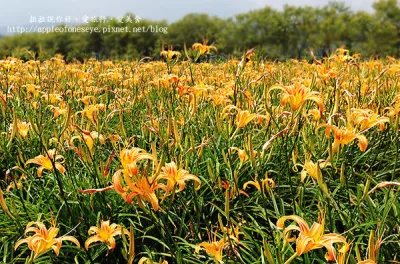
(289, 33)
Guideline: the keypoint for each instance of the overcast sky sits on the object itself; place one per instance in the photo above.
(19, 12)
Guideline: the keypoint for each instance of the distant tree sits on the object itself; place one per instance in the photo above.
(276, 34)
(193, 28)
(388, 18)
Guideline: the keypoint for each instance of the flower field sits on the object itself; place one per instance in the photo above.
(177, 161)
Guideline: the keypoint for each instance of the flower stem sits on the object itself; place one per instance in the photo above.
(291, 258)
(234, 133)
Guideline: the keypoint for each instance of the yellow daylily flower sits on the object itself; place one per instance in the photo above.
(44, 239)
(105, 234)
(175, 177)
(310, 238)
(45, 162)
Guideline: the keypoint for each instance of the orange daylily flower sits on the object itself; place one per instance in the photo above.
(297, 94)
(53, 98)
(261, 118)
(105, 234)
(91, 111)
(89, 138)
(87, 98)
(243, 157)
(143, 188)
(167, 81)
(366, 118)
(315, 113)
(58, 111)
(310, 238)
(213, 248)
(169, 54)
(232, 232)
(231, 190)
(311, 168)
(44, 239)
(203, 48)
(132, 184)
(175, 177)
(32, 89)
(244, 117)
(19, 127)
(130, 157)
(45, 162)
(136, 185)
(344, 136)
(23, 128)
